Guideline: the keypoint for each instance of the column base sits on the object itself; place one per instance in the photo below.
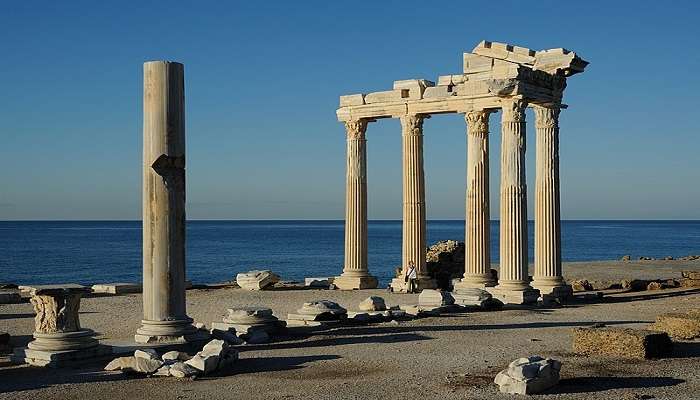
(63, 341)
(514, 295)
(398, 285)
(475, 281)
(173, 331)
(560, 291)
(59, 358)
(355, 282)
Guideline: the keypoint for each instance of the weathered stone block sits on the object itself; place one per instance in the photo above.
(373, 303)
(474, 63)
(438, 92)
(504, 51)
(435, 298)
(352, 100)
(257, 280)
(683, 326)
(387, 96)
(621, 342)
(529, 375)
(116, 288)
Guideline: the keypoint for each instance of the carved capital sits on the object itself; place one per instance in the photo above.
(412, 125)
(477, 122)
(355, 129)
(546, 117)
(56, 314)
(514, 110)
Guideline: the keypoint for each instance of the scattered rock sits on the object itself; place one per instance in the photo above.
(668, 258)
(163, 371)
(148, 354)
(634, 285)
(621, 342)
(435, 298)
(655, 286)
(581, 285)
(318, 283)
(684, 326)
(182, 370)
(646, 258)
(134, 365)
(529, 375)
(373, 303)
(471, 297)
(257, 280)
(626, 258)
(176, 356)
(321, 310)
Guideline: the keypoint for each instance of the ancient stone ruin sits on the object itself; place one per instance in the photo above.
(496, 77)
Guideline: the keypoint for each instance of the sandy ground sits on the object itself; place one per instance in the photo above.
(453, 356)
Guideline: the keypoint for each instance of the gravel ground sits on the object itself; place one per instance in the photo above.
(455, 356)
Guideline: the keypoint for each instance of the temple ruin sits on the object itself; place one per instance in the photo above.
(496, 76)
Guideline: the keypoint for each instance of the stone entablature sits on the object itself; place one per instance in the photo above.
(492, 71)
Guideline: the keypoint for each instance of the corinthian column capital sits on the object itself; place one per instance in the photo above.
(477, 122)
(355, 129)
(412, 124)
(514, 110)
(546, 117)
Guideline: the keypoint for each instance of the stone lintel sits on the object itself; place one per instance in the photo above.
(504, 51)
(352, 100)
(57, 290)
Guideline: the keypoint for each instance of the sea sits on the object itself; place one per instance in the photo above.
(88, 252)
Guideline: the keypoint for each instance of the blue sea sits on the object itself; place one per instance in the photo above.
(87, 252)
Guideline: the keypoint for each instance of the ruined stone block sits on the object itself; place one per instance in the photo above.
(352, 100)
(683, 326)
(621, 342)
(504, 51)
(387, 96)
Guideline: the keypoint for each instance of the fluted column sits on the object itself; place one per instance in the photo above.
(164, 314)
(477, 262)
(414, 232)
(548, 272)
(355, 272)
(513, 282)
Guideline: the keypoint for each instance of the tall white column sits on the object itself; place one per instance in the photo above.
(477, 262)
(164, 315)
(355, 271)
(513, 283)
(548, 272)
(414, 231)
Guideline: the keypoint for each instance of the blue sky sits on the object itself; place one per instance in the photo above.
(262, 86)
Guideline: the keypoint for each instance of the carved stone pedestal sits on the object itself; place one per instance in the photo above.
(58, 337)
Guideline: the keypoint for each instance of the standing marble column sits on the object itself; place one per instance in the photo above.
(513, 283)
(548, 273)
(414, 237)
(477, 261)
(355, 271)
(164, 315)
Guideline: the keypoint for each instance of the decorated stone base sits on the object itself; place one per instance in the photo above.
(515, 296)
(59, 358)
(169, 332)
(355, 282)
(59, 339)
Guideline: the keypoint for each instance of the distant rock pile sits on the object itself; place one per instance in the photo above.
(445, 261)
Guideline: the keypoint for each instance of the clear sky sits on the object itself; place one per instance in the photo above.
(262, 85)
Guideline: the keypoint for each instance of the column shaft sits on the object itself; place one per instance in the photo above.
(513, 225)
(414, 231)
(355, 271)
(548, 272)
(163, 203)
(477, 268)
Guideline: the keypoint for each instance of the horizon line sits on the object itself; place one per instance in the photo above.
(334, 220)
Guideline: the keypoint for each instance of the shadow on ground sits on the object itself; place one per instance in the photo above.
(28, 378)
(598, 383)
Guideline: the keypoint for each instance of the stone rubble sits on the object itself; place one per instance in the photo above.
(683, 326)
(529, 375)
(251, 324)
(317, 313)
(257, 280)
(435, 298)
(214, 356)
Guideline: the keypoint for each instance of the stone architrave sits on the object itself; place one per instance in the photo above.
(164, 312)
(355, 272)
(477, 260)
(58, 336)
(548, 277)
(414, 233)
(513, 286)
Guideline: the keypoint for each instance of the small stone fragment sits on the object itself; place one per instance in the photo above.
(182, 370)
(529, 375)
(163, 371)
(148, 354)
(205, 364)
(176, 355)
(373, 303)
